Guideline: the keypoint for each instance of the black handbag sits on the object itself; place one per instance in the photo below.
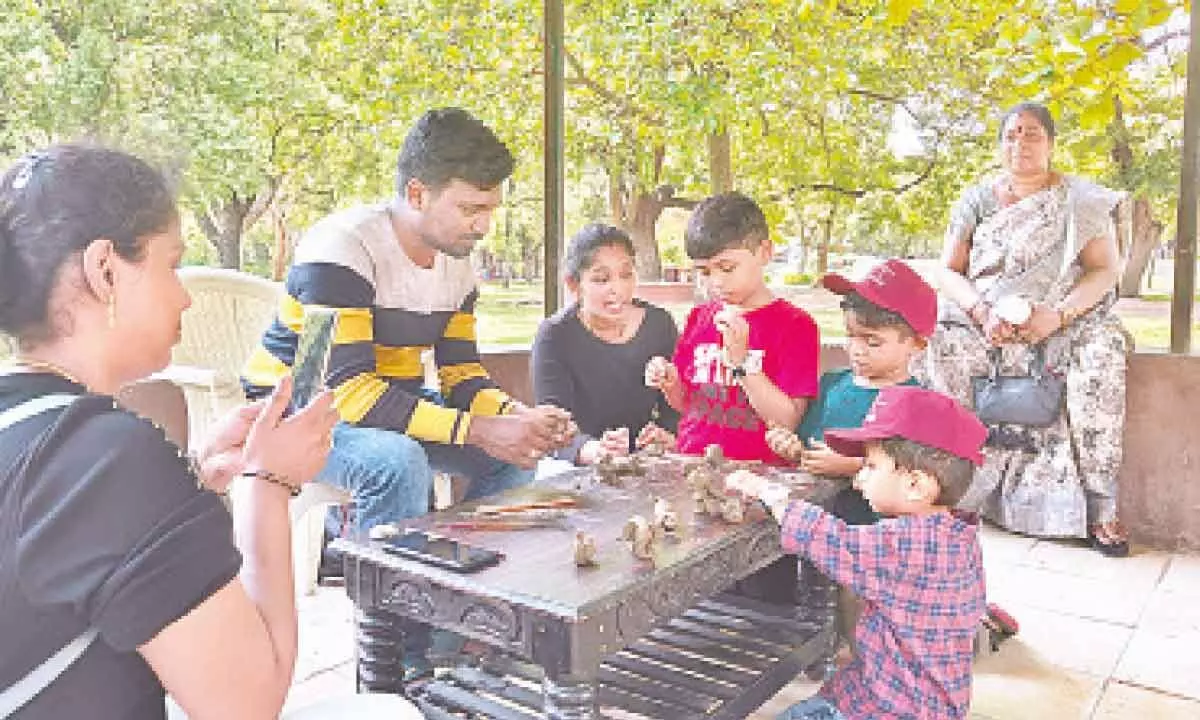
(1033, 400)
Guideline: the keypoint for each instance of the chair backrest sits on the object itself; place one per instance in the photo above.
(230, 310)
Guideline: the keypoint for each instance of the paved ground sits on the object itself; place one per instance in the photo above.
(1101, 639)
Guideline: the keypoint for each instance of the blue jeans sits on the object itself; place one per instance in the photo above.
(390, 475)
(814, 708)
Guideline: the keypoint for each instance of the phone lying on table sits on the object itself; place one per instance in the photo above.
(311, 363)
(441, 551)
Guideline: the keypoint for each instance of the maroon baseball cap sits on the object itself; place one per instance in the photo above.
(922, 416)
(893, 285)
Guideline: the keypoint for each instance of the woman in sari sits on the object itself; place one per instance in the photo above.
(1031, 262)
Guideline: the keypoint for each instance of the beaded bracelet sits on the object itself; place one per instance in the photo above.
(274, 479)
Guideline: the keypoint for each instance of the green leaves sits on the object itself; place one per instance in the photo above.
(313, 97)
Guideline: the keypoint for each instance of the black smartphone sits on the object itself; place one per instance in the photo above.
(312, 356)
(441, 551)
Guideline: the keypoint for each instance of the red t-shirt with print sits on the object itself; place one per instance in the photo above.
(784, 343)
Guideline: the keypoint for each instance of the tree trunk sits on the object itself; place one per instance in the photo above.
(222, 225)
(283, 245)
(647, 207)
(720, 164)
(826, 239)
(1139, 235)
(1146, 236)
(637, 215)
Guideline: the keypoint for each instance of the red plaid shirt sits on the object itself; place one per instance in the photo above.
(921, 580)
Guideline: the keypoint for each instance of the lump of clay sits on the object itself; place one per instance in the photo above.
(640, 535)
(585, 549)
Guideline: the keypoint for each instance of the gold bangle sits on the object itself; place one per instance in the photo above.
(274, 479)
(1066, 316)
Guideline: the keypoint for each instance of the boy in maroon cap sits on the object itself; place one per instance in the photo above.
(888, 316)
(919, 570)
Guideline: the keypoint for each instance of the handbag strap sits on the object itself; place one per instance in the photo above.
(16, 696)
(1037, 360)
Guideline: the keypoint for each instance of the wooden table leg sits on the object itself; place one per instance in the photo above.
(380, 652)
(568, 698)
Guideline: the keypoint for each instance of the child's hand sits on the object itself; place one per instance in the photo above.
(652, 434)
(616, 441)
(820, 460)
(746, 483)
(735, 334)
(661, 373)
(785, 443)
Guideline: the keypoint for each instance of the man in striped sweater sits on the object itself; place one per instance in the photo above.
(400, 277)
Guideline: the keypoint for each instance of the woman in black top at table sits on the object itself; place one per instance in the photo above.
(111, 543)
(590, 357)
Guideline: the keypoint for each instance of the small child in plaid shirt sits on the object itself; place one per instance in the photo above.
(919, 570)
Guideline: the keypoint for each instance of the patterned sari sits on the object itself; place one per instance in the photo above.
(1064, 477)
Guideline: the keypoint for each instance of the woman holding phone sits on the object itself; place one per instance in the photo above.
(121, 573)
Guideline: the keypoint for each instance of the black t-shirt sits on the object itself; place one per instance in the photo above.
(101, 525)
(603, 384)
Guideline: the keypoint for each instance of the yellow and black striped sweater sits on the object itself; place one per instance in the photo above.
(389, 312)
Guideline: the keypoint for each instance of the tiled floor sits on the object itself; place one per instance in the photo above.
(1101, 638)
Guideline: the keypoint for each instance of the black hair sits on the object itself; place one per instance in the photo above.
(720, 222)
(1038, 110)
(953, 474)
(452, 144)
(875, 317)
(581, 251)
(53, 204)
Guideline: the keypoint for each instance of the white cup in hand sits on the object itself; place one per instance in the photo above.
(1013, 309)
(656, 371)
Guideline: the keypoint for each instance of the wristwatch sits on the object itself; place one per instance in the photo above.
(738, 372)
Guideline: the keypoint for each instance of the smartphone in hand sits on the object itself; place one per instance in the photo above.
(311, 363)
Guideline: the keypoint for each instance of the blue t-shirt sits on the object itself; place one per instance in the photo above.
(840, 403)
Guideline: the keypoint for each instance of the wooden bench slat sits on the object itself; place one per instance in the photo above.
(650, 707)
(746, 628)
(480, 680)
(701, 665)
(716, 649)
(444, 693)
(616, 677)
(432, 711)
(782, 616)
(754, 645)
(673, 675)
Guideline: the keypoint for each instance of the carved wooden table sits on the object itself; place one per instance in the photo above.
(656, 638)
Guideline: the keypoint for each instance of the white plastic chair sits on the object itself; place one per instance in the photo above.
(230, 310)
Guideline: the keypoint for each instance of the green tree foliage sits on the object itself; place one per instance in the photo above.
(855, 121)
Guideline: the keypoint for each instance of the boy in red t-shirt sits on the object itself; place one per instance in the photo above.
(746, 359)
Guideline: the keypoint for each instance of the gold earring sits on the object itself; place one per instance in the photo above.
(112, 311)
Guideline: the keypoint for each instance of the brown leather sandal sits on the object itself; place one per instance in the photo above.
(1109, 539)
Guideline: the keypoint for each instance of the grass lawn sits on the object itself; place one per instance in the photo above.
(509, 317)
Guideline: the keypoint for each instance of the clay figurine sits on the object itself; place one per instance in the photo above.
(641, 536)
(665, 518)
(585, 549)
(733, 509)
(714, 455)
(608, 471)
(701, 479)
